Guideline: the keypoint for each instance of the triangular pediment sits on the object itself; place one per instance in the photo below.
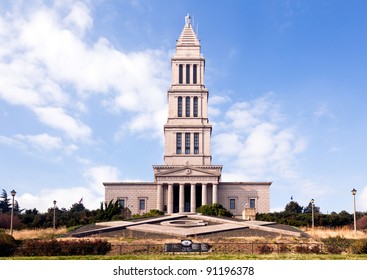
(189, 171)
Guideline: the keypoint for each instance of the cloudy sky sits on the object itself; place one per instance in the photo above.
(83, 87)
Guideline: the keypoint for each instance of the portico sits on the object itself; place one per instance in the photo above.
(184, 188)
(190, 196)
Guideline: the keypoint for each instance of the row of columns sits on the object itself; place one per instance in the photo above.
(204, 197)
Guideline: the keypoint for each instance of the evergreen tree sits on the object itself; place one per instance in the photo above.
(293, 207)
(308, 209)
(77, 207)
(5, 205)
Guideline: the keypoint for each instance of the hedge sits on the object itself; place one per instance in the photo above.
(55, 247)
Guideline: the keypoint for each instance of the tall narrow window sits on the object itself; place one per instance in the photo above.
(187, 73)
(232, 203)
(178, 143)
(194, 74)
(180, 74)
(196, 143)
(187, 143)
(187, 106)
(142, 204)
(252, 203)
(122, 202)
(179, 106)
(195, 106)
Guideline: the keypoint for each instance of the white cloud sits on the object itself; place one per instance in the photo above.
(41, 145)
(256, 143)
(362, 200)
(95, 176)
(42, 141)
(92, 193)
(8, 141)
(219, 99)
(57, 118)
(79, 17)
(48, 65)
(232, 144)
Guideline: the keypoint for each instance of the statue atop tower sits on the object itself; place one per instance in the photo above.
(187, 20)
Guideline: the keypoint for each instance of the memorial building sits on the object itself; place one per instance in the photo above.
(187, 179)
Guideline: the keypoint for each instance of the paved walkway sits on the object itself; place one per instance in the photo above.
(154, 226)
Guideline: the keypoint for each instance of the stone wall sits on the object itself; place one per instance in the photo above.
(242, 193)
(132, 193)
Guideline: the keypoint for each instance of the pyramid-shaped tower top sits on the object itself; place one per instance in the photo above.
(188, 44)
(188, 36)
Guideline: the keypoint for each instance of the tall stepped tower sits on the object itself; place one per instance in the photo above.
(187, 179)
(187, 158)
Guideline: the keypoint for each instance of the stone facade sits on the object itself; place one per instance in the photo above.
(187, 179)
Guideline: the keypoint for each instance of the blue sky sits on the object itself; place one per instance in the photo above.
(83, 87)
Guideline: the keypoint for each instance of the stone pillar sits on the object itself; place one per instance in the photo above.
(170, 199)
(204, 194)
(215, 193)
(193, 198)
(160, 197)
(181, 206)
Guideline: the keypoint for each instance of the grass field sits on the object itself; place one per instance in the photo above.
(203, 257)
(322, 232)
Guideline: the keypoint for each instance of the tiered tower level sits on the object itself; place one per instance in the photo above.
(187, 132)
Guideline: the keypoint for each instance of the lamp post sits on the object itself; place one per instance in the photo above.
(13, 193)
(313, 217)
(354, 192)
(54, 214)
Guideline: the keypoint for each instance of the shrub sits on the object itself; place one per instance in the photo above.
(265, 249)
(283, 248)
(362, 223)
(214, 210)
(151, 213)
(336, 245)
(315, 249)
(308, 249)
(63, 248)
(7, 245)
(359, 246)
(5, 221)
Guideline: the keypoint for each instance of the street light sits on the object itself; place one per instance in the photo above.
(354, 192)
(13, 193)
(313, 217)
(54, 214)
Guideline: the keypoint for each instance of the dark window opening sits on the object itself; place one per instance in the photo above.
(195, 106)
(180, 74)
(179, 106)
(252, 203)
(196, 143)
(232, 203)
(194, 74)
(187, 73)
(121, 202)
(178, 143)
(187, 143)
(141, 204)
(187, 106)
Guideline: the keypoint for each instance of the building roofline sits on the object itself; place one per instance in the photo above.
(106, 184)
(187, 166)
(246, 183)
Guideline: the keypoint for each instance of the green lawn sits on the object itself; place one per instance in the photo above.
(203, 257)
